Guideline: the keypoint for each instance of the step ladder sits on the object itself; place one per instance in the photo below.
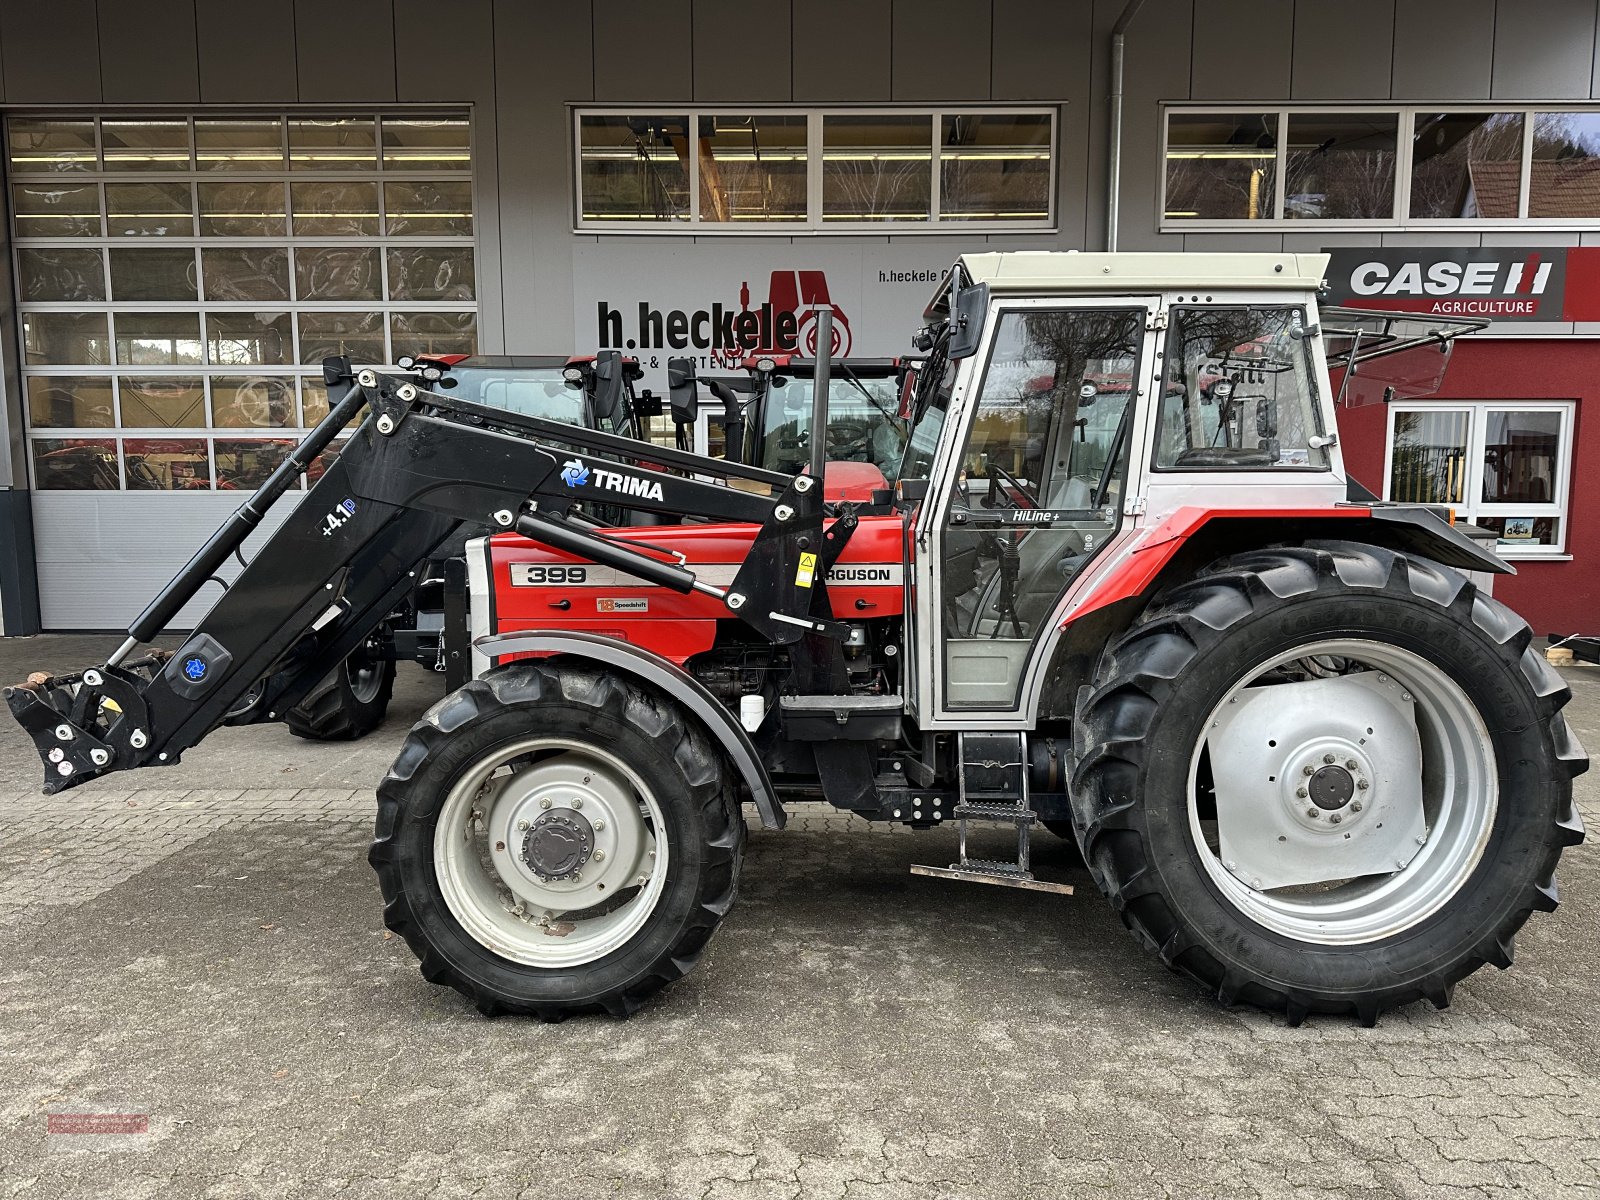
(994, 789)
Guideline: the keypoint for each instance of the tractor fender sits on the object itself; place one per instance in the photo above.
(1412, 529)
(666, 677)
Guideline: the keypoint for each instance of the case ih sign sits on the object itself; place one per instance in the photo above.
(1545, 283)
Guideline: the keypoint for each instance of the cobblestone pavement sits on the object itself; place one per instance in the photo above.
(204, 946)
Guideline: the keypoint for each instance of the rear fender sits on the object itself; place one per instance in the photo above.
(663, 676)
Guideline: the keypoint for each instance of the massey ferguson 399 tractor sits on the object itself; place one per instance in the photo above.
(1120, 588)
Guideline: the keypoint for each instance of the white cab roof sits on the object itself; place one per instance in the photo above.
(1058, 271)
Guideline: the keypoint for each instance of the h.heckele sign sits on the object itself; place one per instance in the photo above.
(718, 303)
(1499, 282)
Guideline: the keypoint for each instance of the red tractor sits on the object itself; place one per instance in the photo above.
(1121, 587)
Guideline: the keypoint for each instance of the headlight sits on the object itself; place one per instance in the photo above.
(405, 362)
(766, 365)
(573, 374)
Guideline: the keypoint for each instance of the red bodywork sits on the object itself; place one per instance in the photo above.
(673, 625)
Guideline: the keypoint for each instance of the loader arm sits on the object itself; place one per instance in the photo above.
(416, 468)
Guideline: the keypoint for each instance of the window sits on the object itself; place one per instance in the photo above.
(181, 280)
(1504, 465)
(1240, 392)
(787, 171)
(1397, 167)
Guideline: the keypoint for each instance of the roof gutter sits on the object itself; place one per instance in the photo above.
(1114, 159)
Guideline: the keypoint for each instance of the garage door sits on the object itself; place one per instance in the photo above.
(180, 280)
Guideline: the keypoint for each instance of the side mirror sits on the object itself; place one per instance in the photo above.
(608, 385)
(968, 308)
(681, 388)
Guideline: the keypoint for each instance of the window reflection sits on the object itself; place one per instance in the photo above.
(1340, 167)
(1564, 175)
(1466, 165)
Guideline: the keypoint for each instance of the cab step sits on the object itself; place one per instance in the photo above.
(1007, 879)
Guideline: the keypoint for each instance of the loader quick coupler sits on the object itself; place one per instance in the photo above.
(85, 723)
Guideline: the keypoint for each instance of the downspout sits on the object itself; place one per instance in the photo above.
(1114, 162)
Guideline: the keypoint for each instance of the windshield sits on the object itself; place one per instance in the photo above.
(527, 391)
(862, 425)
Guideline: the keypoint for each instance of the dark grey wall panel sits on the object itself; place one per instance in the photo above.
(535, 168)
(345, 50)
(149, 54)
(841, 51)
(51, 51)
(1443, 49)
(1158, 64)
(246, 51)
(1544, 50)
(1242, 49)
(742, 51)
(940, 50)
(1342, 51)
(643, 50)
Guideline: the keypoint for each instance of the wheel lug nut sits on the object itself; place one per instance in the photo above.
(523, 825)
(1334, 818)
(545, 803)
(599, 856)
(577, 802)
(1355, 806)
(1313, 813)
(1301, 792)
(1362, 784)
(1310, 770)
(599, 824)
(1329, 759)
(1350, 764)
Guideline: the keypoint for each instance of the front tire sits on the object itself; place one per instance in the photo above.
(354, 697)
(1241, 742)
(556, 839)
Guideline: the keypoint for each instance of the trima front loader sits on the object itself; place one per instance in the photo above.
(1120, 590)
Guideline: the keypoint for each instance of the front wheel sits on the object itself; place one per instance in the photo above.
(354, 697)
(1330, 778)
(556, 840)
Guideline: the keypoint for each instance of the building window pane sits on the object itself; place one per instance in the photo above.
(77, 464)
(242, 210)
(56, 209)
(434, 333)
(877, 168)
(251, 402)
(48, 147)
(1466, 165)
(1221, 167)
(162, 402)
(243, 464)
(1523, 532)
(248, 145)
(167, 464)
(337, 273)
(1340, 167)
(1428, 463)
(149, 209)
(994, 168)
(428, 207)
(357, 334)
(241, 339)
(52, 273)
(1566, 166)
(145, 145)
(430, 273)
(70, 402)
(752, 169)
(313, 397)
(328, 209)
(147, 273)
(246, 273)
(1521, 454)
(426, 144)
(338, 144)
(634, 168)
(74, 339)
(158, 339)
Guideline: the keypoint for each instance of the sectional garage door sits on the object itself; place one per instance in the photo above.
(179, 280)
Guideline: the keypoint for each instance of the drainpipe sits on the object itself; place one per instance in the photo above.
(1114, 163)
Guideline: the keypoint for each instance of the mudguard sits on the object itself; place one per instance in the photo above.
(666, 677)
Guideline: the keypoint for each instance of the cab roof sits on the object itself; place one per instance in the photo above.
(1070, 271)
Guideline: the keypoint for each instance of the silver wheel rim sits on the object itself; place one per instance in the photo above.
(490, 874)
(1452, 801)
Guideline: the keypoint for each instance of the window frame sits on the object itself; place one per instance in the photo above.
(1399, 218)
(813, 224)
(1471, 508)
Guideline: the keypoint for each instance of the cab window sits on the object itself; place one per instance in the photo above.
(1239, 391)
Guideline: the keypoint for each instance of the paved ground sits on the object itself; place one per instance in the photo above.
(204, 946)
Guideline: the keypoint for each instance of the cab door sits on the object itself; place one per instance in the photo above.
(1033, 470)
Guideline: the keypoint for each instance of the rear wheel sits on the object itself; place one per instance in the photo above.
(1326, 779)
(556, 840)
(352, 701)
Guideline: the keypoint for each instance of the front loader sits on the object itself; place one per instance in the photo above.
(1122, 587)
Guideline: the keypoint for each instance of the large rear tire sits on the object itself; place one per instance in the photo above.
(1330, 778)
(354, 698)
(555, 840)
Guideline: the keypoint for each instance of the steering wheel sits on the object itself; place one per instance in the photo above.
(1013, 495)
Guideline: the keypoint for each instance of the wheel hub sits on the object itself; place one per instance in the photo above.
(1332, 788)
(558, 845)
